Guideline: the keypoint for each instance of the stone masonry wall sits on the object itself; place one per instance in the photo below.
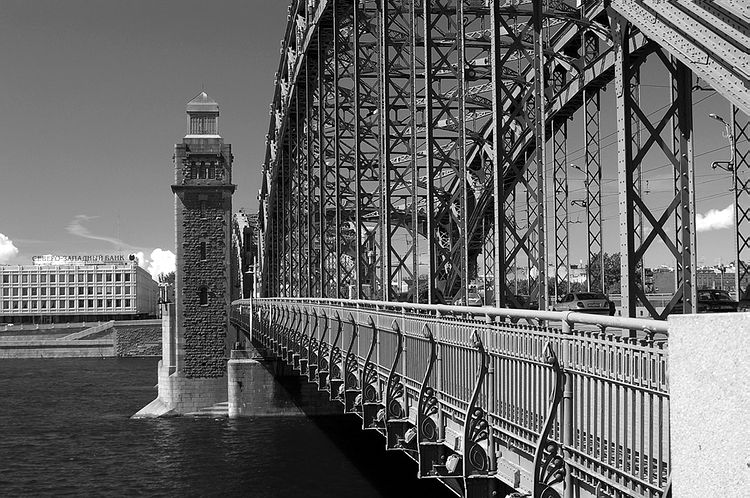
(205, 326)
(137, 341)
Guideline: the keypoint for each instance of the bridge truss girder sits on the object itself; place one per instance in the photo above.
(409, 141)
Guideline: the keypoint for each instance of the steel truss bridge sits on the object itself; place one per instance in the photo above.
(427, 144)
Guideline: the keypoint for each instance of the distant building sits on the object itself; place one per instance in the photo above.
(705, 278)
(60, 289)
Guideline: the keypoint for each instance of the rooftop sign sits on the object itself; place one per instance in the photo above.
(95, 259)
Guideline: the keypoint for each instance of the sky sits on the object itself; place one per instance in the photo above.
(92, 101)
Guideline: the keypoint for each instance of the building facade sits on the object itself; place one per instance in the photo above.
(60, 289)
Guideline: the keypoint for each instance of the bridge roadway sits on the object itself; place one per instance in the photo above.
(548, 403)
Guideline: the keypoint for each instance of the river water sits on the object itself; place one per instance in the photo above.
(65, 431)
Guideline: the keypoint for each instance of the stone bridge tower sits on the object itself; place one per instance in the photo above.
(196, 339)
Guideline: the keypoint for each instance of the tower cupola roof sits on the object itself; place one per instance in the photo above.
(202, 103)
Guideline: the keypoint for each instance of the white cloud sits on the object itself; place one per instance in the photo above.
(8, 251)
(715, 219)
(160, 261)
(76, 227)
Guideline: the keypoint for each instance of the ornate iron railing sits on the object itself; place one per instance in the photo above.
(551, 403)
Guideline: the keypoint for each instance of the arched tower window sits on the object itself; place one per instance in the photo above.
(203, 251)
(203, 296)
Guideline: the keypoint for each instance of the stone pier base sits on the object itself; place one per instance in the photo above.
(180, 395)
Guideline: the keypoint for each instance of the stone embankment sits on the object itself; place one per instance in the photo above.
(101, 340)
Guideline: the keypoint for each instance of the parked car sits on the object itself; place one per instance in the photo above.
(744, 304)
(518, 301)
(710, 301)
(585, 302)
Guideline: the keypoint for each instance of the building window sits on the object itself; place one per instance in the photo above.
(90, 290)
(24, 291)
(80, 291)
(80, 303)
(33, 304)
(89, 277)
(118, 277)
(15, 279)
(52, 304)
(98, 277)
(109, 303)
(203, 251)
(91, 303)
(71, 304)
(118, 290)
(43, 291)
(15, 305)
(100, 290)
(202, 206)
(6, 292)
(211, 172)
(52, 278)
(33, 279)
(203, 296)
(33, 291)
(6, 279)
(25, 304)
(43, 279)
(109, 277)
(15, 292)
(127, 277)
(127, 303)
(6, 305)
(118, 303)
(24, 279)
(72, 291)
(100, 302)
(52, 291)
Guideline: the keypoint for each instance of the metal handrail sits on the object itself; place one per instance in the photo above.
(570, 317)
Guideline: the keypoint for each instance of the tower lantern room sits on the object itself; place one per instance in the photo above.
(203, 117)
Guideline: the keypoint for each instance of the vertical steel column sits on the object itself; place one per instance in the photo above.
(294, 168)
(445, 109)
(434, 254)
(634, 87)
(398, 125)
(740, 127)
(314, 176)
(337, 160)
(540, 252)
(592, 109)
(369, 223)
(620, 32)
(346, 185)
(327, 133)
(303, 127)
(688, 250)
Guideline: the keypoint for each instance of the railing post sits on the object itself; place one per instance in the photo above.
(566, 424)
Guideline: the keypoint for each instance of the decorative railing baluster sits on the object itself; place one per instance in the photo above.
(349, 366)
(432, 451)
(396, 422)
(322, 376)
(334, 362)
(549, 467)
(312, 349)
(370, 395)
(476, 437)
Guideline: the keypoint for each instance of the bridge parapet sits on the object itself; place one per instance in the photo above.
(544, 402)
